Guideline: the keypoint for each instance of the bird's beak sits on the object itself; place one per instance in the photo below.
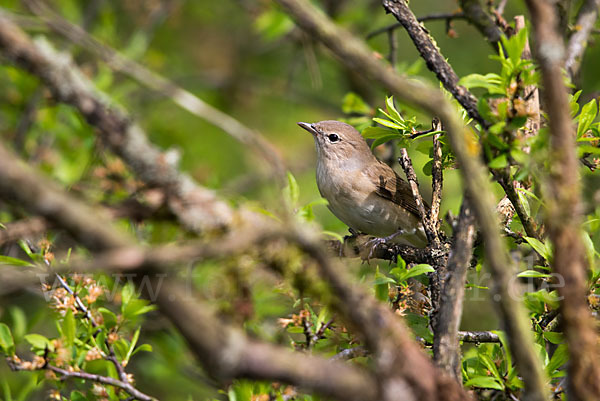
(309, 127)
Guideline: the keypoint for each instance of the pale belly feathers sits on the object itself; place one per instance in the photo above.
(353, 200)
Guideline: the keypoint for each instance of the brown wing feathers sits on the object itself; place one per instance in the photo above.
(396, 190)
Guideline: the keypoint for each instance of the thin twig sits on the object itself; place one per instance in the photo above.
(586, 18)
(425, 18)
(428, 224)
(437, 177)
(68, 374)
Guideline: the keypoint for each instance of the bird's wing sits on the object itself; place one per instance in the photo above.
(396, 189)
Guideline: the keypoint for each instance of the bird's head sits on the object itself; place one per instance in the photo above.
(338, 141)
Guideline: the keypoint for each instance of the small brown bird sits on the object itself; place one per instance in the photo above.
(363, 192)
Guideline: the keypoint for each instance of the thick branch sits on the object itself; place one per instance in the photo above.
(225, 351)
(433, 57)
(188, 201)
(481, 20)
(357, 56)
(446, 350)
(564, 211)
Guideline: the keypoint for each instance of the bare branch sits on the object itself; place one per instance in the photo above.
(446, 350)
(586, 18)
(564, 210)
(478, 337)
(68, 374)
(431, 17)
(481, 20)
(188, 201)
(433, 57)
(437, 176)
(411, 177)
(11, 232)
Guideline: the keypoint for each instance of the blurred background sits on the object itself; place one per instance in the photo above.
(248, 60)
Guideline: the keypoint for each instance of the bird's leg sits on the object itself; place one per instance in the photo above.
(374, 242)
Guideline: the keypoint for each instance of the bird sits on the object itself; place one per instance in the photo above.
(363, 192)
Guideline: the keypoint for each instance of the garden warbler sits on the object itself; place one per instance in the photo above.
(363, 192)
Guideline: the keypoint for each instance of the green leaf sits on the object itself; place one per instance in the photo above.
(559, 358)
(587, 116)
(484, 382)
(7, 344)
(354, 104)
(69, 327)
(391, 109)
(539, 247)
(9, 261)
(515, 45)
(553, 337)
(499, 162)
(134, 341)
(491, 82)
(292, 191)
(127, 294)
(378, 132)
(388, 123)
(142, 348)
(534, 274)
(486, 360)
(417, 270)
(109, 317)
(77, 396)
(38, 341)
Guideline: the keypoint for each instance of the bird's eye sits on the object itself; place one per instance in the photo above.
(333, 137)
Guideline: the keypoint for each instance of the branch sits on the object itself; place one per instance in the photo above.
(68, 374)
(446, 349)
(161, 85)
(411, 177)
(188, 201)
(586, 18)
(437, 176)
(354, 53)
(481, 20)
(226, 352)
(399, 362)
(11, 232)
(433, 57)
(478, 337)
(564, 211)
(431, 17)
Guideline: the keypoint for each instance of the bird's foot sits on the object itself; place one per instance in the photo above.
(375, 242)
